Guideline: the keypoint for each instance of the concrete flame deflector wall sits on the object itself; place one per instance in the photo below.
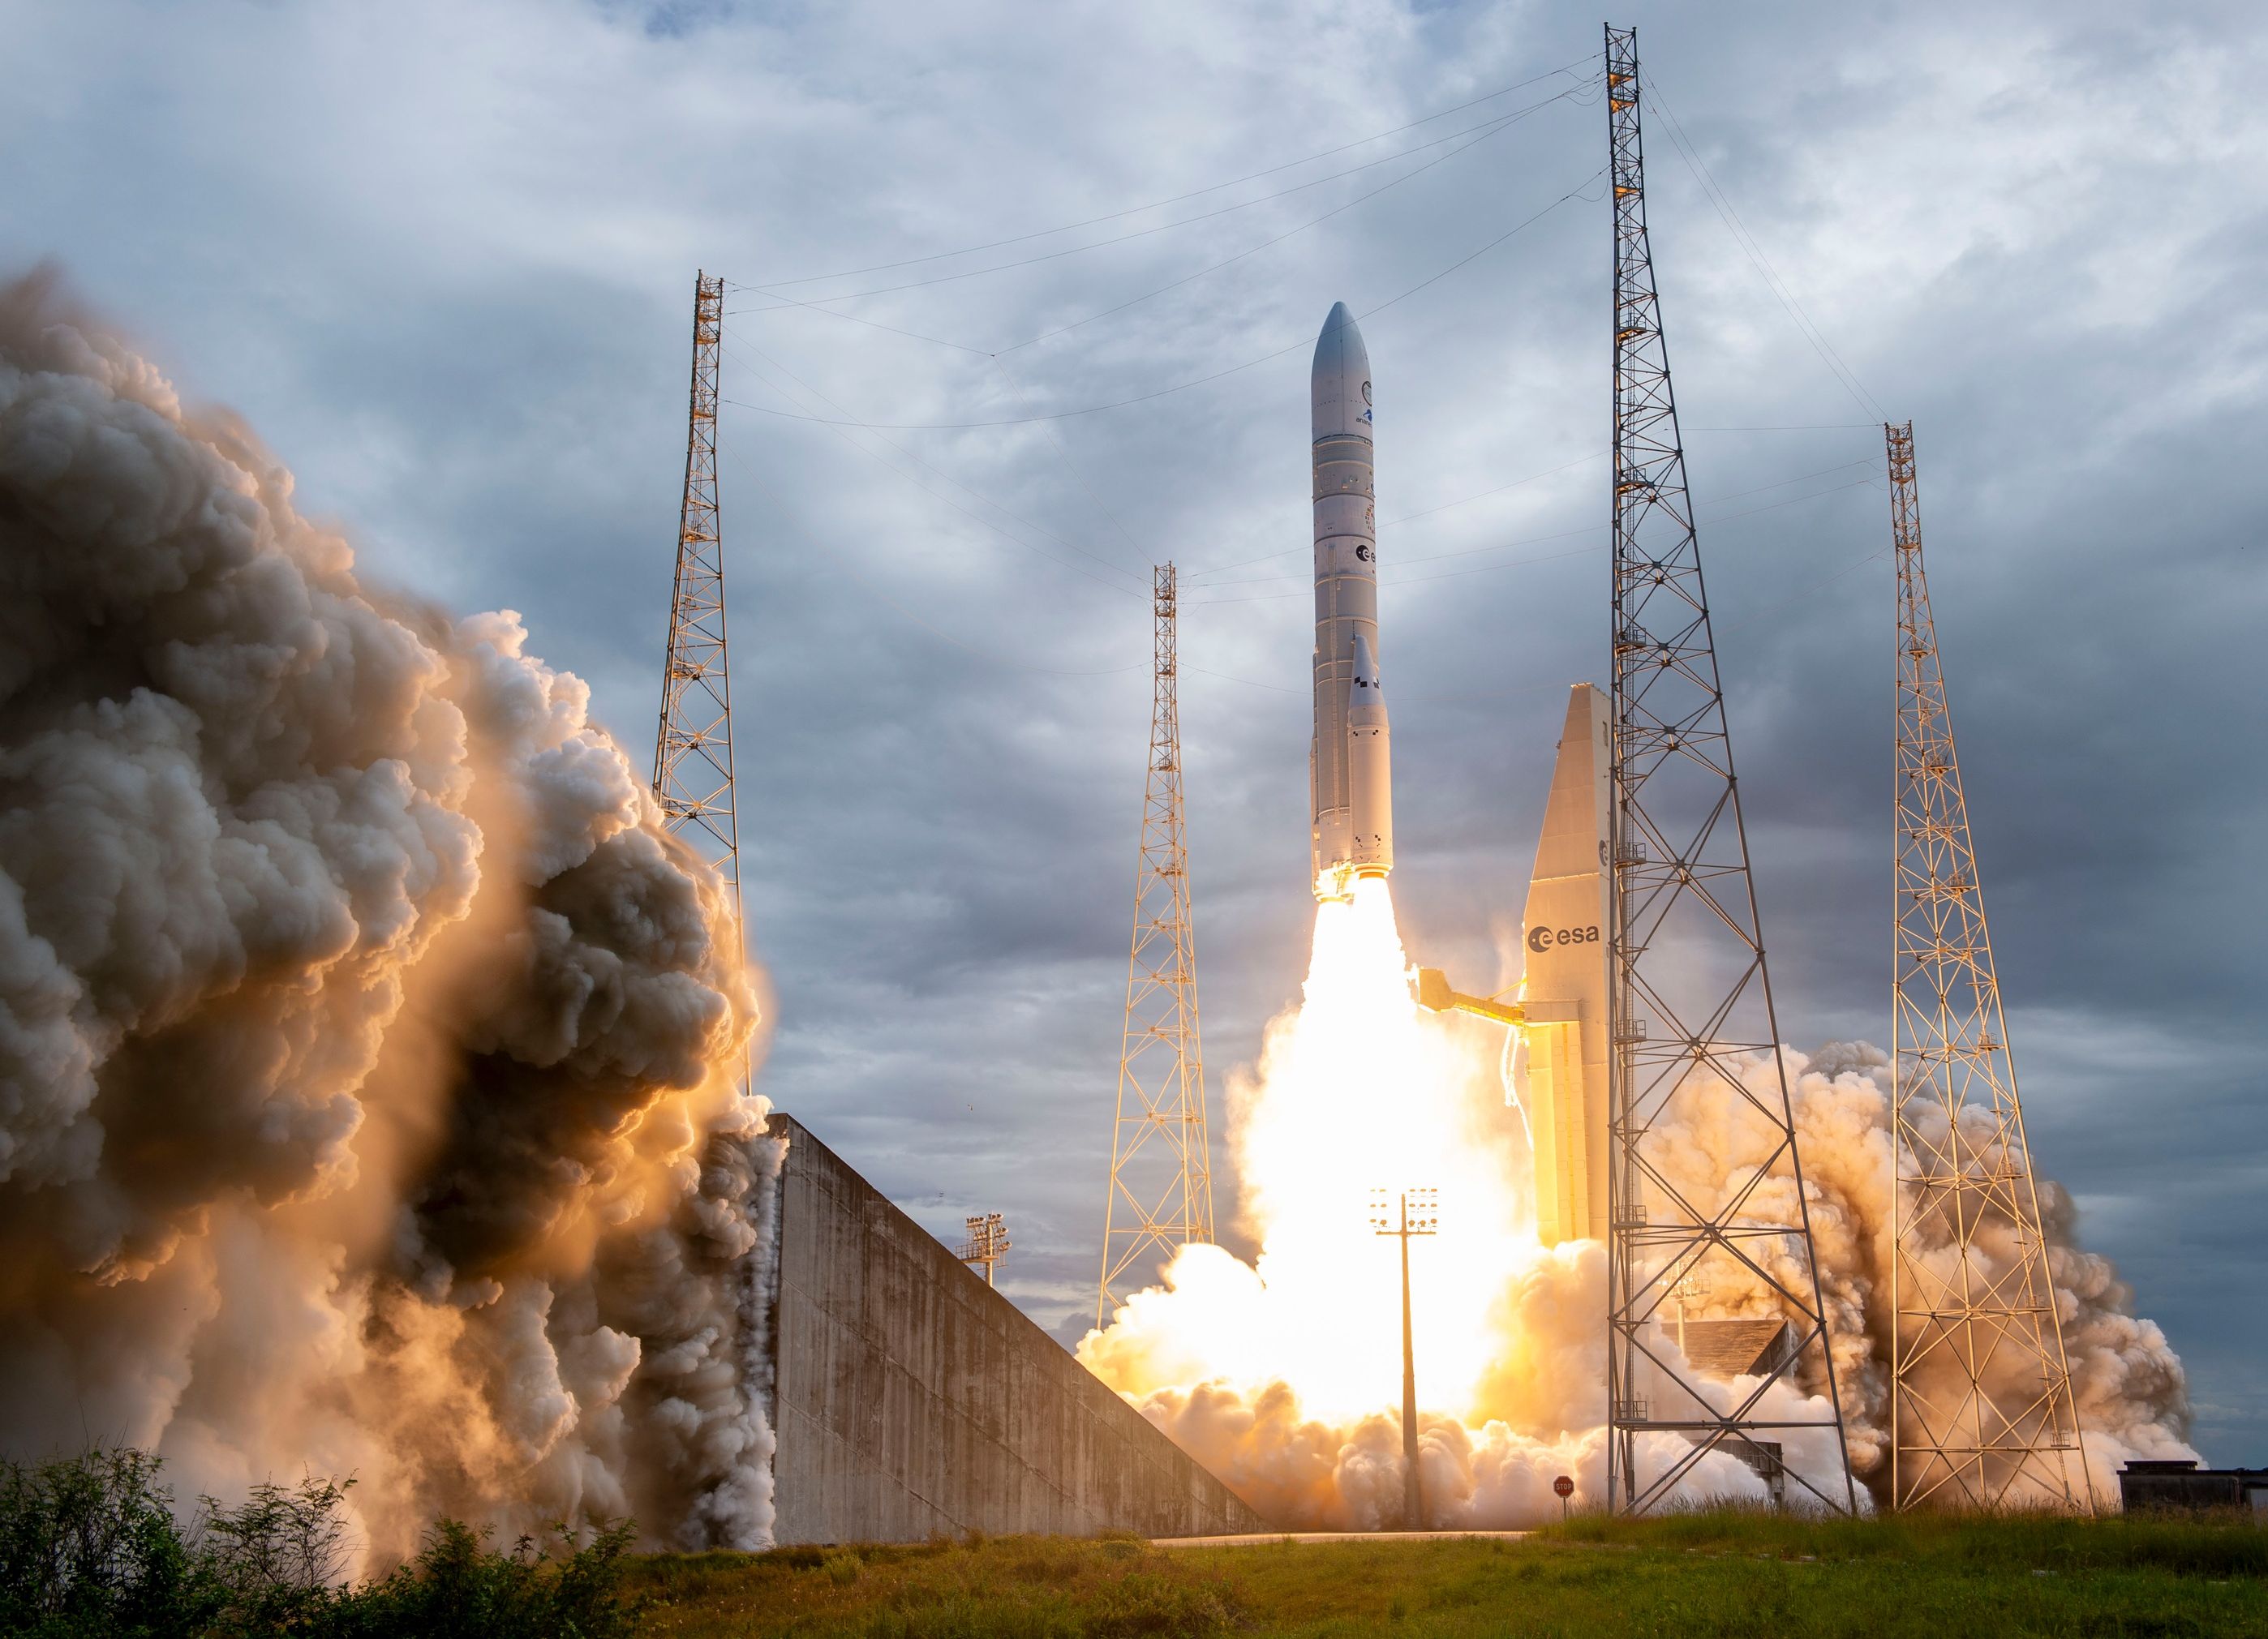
(912, 1400)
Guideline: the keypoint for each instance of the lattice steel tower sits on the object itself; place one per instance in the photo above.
(693, 750)
(1160, 1157)
(1691, 1008)
(1981, 1411)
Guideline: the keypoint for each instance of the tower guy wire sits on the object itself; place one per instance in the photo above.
(1691, 1014)
(1161, 1196)
(1981, 1407)
(693, 748)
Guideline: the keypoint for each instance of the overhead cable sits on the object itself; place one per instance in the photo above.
(1527, 541)
(780, 511)
(1181, 386)
(1479, 134)
(1076, 470)
(1803, 593)
(839, 429)
(1391, 523)
(1269, 243)
(1160, 204)
(1844, 377)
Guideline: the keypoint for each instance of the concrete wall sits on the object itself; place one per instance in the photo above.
(912, 1400)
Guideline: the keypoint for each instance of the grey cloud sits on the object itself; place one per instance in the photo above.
(455, 301)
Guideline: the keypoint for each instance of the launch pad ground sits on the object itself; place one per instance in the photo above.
(1266, 1539)
(1712, 1574)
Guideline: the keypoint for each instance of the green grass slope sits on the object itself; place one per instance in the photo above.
(1718, 1573)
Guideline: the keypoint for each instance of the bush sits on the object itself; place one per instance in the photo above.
(457, 1588)
(90, 1546)
(1141, 1605)
(277, 1556)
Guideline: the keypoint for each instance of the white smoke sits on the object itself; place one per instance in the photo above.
(369, 1057)
(2131, 1393)
(1189, 1353)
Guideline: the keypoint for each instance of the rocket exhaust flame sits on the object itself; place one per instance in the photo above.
(1284, 1376)
(1358, 1090)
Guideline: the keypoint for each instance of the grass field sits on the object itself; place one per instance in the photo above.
(1702, 1574)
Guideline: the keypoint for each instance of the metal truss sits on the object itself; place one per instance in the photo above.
(1981, 1412)
(1692, 1009)
(988, 1242)
(693, 750)
(1160, 1157)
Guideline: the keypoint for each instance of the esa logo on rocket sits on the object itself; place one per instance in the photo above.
(1542, 939)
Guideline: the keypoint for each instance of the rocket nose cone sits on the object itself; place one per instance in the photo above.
(1340, 343)
(1339, 386)
(1365, 683)
(1366, 700)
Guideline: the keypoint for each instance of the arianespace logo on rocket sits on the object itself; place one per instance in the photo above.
(1542, 939)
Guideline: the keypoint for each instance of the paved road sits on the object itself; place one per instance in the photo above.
(1259, 1538)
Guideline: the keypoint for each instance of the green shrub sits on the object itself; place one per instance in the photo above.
(277, 1556)
(90, 1546)
(1141, 1607)
(457, 1588)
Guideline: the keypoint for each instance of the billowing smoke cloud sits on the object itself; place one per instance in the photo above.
(2131, 1393)
(369, 1057)
(1204, 1356)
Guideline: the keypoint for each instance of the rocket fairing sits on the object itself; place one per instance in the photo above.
(1349, 761)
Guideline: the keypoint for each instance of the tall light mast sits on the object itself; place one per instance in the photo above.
(1981, 1410)
(1691, 1008)
(693, 750)
(1160, 1157)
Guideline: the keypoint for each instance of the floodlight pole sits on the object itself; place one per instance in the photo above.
(988, 1240)
(1413, 1487)
(1413, 1490)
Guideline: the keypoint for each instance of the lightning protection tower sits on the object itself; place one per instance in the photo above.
(1161, 1159)
(693, 750)
(1981, 1410)
(1691, 1009)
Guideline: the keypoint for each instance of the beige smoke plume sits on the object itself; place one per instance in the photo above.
(368, 1054)
(1285, 1380)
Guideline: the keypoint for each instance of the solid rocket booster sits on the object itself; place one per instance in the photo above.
(1349, 760)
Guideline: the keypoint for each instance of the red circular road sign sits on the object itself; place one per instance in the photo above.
(1563, 1486)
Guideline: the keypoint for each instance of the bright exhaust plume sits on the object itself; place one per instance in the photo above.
(1284, 1375)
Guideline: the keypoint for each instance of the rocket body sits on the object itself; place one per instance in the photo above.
(1349, 760)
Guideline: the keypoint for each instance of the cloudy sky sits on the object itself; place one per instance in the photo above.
(441, 256)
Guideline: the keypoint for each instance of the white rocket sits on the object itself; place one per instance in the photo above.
(1349, 763)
